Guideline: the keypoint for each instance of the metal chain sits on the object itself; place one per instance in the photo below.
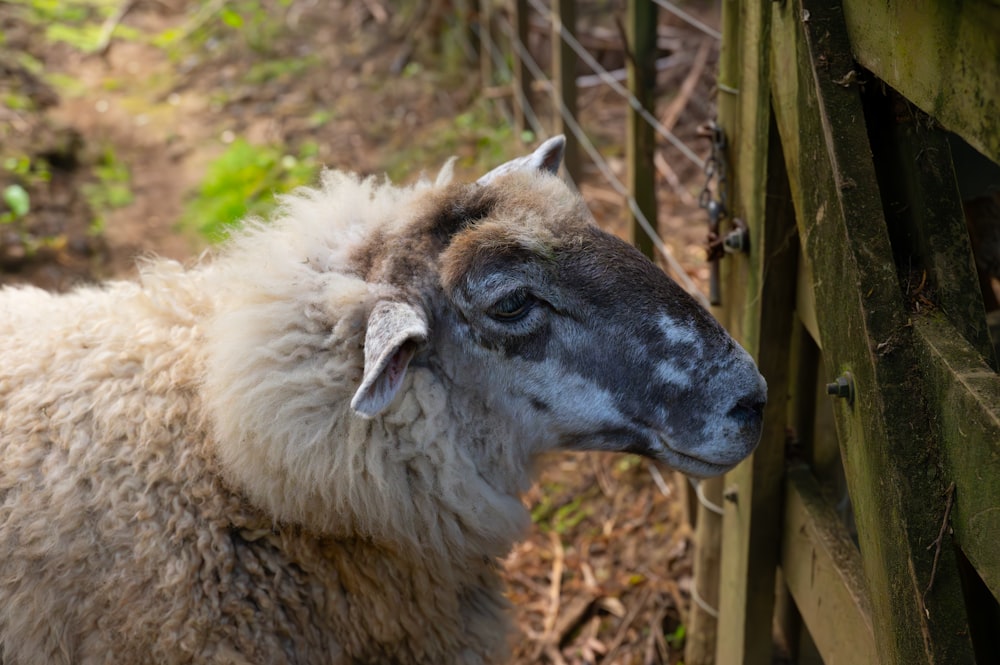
(715, 165)
(715, 177)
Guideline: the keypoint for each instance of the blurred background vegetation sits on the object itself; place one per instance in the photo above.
(132, 126)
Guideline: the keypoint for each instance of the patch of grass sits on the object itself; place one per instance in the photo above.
(246, 20)
(27, 170)
(242, 182)
(74, 22)
(270, 70)
(17, 202)
(112, 188)
(493, 140)
(555, 513)
(22, 173)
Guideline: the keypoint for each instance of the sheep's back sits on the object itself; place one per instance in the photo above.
(109, 503)
(120, 541)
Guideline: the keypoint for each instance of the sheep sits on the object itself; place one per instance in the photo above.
(310, 447)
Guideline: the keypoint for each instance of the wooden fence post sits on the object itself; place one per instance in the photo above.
(564, 77)
(699, 648)
(641, 139)
(760, 296)
(522, 78)
(486, 43)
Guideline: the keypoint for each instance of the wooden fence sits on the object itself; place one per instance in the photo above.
(861, 276)
(866, 527)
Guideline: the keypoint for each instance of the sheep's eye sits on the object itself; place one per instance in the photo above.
(512, 307)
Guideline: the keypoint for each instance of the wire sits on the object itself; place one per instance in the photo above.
(529, 113)
(574, 127)
(607, 78)
(687, 18)
(704, 500)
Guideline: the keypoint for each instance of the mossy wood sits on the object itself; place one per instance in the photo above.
(965, 392)
(942, 55)
(822, 569)
(522, 77)
(886, 287)
(885, 434)
(640, 141)
(759, 294)
(928, 233)
(564, 91)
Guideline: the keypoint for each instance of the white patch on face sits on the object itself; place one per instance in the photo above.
(671, 374)
(576, 403)
(678, 334)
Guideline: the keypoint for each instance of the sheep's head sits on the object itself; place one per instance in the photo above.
(382, 357)
(559, 333)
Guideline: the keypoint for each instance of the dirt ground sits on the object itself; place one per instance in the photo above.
(604, 576)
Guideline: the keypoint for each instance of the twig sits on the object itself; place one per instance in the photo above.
(201, 17)
(626, 623)
(555, 585)
(672, 179)
(377, 11)
(950, 493)
(112, 22)
(601, 475)
(658, 480)
(673, 111)
(552, 652)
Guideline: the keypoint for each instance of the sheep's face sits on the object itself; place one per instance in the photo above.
(567, 335)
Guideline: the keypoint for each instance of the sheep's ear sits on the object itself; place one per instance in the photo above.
(395, 330)
(546, 157)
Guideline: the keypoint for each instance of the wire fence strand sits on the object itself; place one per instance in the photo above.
(595, 156)
(687, 18)
(615, 85)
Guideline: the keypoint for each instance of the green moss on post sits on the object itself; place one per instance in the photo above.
(641, 140)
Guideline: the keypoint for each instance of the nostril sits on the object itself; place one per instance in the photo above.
(749, 408)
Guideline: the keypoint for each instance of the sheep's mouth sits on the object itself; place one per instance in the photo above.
(687, 463)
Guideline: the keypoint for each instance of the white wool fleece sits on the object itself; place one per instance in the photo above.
(284, 358)
(182, 480)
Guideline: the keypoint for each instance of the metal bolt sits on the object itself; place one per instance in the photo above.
(843, 387)
(737, 240)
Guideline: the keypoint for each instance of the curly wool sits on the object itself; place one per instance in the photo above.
(181, 479)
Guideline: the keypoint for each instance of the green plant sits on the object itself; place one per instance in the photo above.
(243, 181)
(676, 638)
(79, 23)
(17, 201)
(112, 188)
(27, 170)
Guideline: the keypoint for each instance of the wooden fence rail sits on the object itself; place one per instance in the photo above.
(885, 299)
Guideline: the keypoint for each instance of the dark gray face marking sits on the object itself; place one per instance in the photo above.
(611, 354)
(539, 405)
(626, 296)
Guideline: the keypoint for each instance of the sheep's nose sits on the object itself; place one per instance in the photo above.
(749, 410)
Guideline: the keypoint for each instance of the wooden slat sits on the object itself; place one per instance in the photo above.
(522, 77)
(942, 55)
(805, 303)
(928, 232)
(758, 292)
(699, 647)
(965, 393)
(885, 435)
(822, 569)
(640, 142)
(564, 74)
(486, 43)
